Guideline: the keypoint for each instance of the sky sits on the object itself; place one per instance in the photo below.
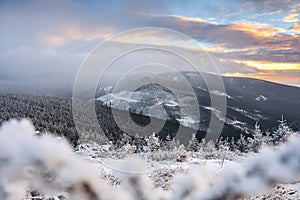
(43, 43)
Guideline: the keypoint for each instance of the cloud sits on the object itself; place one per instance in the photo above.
(256, 29)
(281, 76)
(292, 17)
(268, 5)
(249, 40)
(41, 68)
(262, 65)
(45, 42)
(295, 28)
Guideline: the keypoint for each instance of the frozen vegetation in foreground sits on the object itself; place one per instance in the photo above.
(47, 167)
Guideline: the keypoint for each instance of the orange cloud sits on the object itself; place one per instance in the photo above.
(273, 77)
(67, 33)
(53, 41)
(256, 29)
(75, 32)
(276, 78)
(261, 65)
(292, 17)
(296, 28)
(294, 81)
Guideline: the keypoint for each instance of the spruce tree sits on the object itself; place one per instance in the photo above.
(283, 131)
(193, 144)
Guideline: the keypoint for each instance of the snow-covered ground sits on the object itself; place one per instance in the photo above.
(97, 154)
(50, 166)
(163, 173)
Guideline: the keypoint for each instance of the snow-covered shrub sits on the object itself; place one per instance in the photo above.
(169, 144)
(280, 191)
(44, 163)
(257, 174)
(153, 142)
(193, 144)
(209, 149)
(167, 155)
(127, 149)
(223, 149)
(163, 177)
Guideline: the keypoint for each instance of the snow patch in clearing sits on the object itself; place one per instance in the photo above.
(261, 98)
(187, 121)
(218, 93)
(216, 112)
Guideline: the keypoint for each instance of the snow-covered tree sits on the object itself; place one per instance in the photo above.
(208, 148)
(124, 141)
(223, 147)
(168, 144)
(193, 144)
(282, 132)
(242, 144)
(257, 139)
(267, 139)
(259, 173)
(153, 142)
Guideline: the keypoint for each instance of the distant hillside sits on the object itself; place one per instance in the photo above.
(248, 101)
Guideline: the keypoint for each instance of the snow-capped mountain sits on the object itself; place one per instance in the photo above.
(248, 100)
